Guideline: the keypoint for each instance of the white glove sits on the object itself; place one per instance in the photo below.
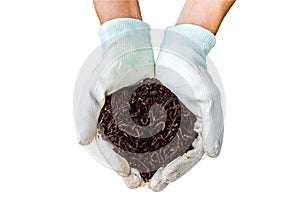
(127, 58)
(181, 66)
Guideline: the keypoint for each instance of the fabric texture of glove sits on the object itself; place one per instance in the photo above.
(181, 66)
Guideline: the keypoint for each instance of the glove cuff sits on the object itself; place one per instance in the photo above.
(121, 25)
(203, 37)
(129, 39)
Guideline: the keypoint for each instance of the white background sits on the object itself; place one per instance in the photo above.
(42, 47)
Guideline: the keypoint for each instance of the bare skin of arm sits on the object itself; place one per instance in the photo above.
(110, 9)
(208, 14)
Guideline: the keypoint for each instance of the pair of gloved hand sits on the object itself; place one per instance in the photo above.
(127, 58)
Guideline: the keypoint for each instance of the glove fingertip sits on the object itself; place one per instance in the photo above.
(159, 187)
(86, 140)
(83, 143)
(156, 183)
(134, 180)
(213, 152)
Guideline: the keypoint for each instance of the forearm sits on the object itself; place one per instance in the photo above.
(110, 9)
(206, 13)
